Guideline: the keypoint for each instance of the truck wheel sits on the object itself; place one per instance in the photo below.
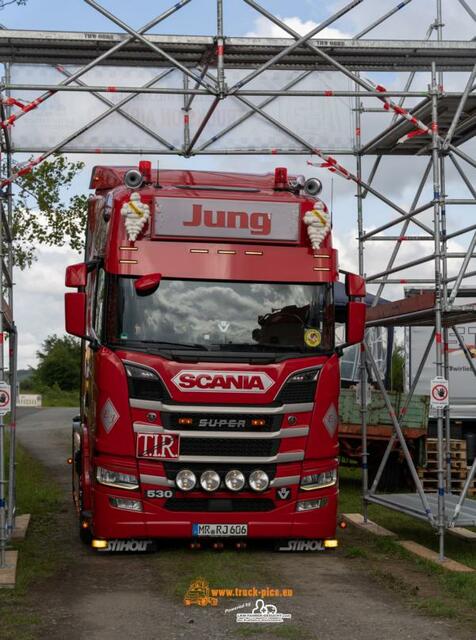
(84, 534)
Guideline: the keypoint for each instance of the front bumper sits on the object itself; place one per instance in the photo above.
(156, 521)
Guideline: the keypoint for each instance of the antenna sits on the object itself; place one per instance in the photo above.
(157, 179)
(332, 201)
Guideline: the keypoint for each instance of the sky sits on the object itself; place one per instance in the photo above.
(39, 290)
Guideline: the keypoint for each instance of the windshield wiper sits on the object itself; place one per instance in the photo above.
(257, 347)
(176, 345)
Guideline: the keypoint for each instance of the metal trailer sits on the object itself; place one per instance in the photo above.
(436, 127)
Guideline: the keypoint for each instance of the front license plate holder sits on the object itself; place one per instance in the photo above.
(219, 530)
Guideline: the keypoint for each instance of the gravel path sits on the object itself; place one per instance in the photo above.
(120, 597)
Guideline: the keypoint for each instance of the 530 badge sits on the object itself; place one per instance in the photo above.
(158, 493)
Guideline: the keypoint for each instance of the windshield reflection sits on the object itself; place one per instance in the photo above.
(223, 315)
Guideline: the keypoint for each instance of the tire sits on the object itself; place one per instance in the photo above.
(84, 534)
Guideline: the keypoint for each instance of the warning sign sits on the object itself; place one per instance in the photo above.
(439, 396)
(5, 398)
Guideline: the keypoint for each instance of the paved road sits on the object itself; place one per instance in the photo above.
(112, 597)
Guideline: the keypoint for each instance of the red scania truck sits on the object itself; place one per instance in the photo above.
(210, 372)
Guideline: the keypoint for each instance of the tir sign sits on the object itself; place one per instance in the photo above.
(232, 219)
(161, 446)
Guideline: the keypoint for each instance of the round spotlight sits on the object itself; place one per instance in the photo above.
(258, 480)
(235, 480)
(313, 186)
(185, 480)
(133, 179)
(210, 480)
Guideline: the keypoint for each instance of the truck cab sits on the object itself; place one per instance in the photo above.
(210, 374)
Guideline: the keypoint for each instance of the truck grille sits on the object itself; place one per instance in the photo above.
(297, 392)
(219, 505)
(229, 422)
(227, 447)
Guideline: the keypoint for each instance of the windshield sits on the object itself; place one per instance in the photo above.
(223, 316)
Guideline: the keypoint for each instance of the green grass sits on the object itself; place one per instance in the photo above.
(437, 608)
(355, 552)
(55, 397)
(222, 570)
(40, 553)
(455, 585)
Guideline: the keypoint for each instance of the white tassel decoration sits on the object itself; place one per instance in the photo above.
(136, 214)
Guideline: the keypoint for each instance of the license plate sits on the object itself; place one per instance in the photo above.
(163, 446)
(220, 530)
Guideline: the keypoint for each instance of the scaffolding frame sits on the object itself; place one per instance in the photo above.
(203, 62)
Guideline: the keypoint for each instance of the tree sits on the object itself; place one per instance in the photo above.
(42, 215)
(398, 367)
(60, 363)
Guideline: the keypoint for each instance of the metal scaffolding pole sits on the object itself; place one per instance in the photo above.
(438, 304)
(100, 59)
(158, 50)
(363, 365)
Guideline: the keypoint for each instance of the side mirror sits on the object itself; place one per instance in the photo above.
(355, 322)
(76, 275)
(354, 286)
(75, 314)
(145, 285)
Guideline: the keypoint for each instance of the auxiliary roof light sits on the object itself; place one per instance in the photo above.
(313, 186)
(145, 168)
(133, 179)
(281, 179)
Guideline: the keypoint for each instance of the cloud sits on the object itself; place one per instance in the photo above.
(264, 28)
(39, 306)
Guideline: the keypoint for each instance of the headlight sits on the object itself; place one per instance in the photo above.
(210, 480)
(144, 384)
(138, 372)
(126, 503)
(309, 375)
(185, 480)
(309, 505)
(258, 480)
(319, 480)
(235, 480)
(116, 479)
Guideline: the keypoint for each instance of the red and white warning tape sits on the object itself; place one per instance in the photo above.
(25, 108)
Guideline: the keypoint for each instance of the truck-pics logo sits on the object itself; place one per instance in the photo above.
(263, 612)
(223, 381)
(198, 594)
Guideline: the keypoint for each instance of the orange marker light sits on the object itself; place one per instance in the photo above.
(258, 422)
(185, 421)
